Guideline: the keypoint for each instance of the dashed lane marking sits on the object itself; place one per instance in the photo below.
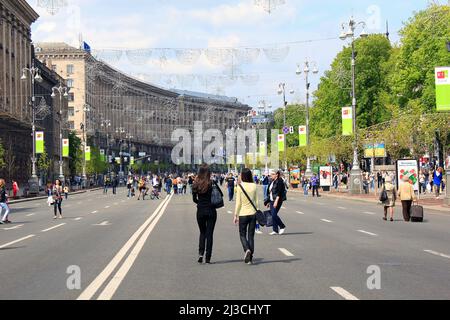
(327, 221)
(438, 254)
(368, 212)
(299, 212)
(54, 227)
(30, 214)
(342, 208)
(286, 252)
(344, 293)
(94, 211)
(369, 233)
(16, 241)
(78, 219)
(15, 227)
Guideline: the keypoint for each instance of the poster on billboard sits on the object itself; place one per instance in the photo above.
(326, 176)
(410, 169)
(294, 177)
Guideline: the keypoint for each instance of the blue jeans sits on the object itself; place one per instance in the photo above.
(265, 188)
(305, 189)
(230, 193)
(4, 206)
(277, 223)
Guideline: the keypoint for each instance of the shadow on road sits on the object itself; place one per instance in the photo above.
(259, 261)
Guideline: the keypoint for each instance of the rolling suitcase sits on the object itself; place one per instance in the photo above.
(416, 213)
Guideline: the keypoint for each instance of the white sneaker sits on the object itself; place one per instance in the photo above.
(282, 231)
(259, 232)
(273, 233)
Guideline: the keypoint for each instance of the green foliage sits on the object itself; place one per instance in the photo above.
(96, 164)
(44, 162)
(75, 153)
(295, 117)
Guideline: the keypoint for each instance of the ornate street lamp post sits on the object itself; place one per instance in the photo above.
(63, 92)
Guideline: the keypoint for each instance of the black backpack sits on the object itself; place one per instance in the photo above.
(384, 196)
(216, 197)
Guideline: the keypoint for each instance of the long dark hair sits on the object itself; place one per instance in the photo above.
(246, 176)
(203, 180)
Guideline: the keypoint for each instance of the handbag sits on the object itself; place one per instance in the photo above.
(261, 217)
(384, 196)
(216, 197)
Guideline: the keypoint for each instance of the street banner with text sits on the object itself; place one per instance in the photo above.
(281, 142)
(443, 88)
(87, 153)
(347, 121)
(302, 136)
(39, 142)
(65, 143)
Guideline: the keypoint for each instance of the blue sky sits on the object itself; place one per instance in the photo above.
(138, 24)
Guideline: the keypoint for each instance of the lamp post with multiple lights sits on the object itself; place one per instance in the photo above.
(34, 73)
(282, 91)
(306, 71)
(351, 26)
(63, 92)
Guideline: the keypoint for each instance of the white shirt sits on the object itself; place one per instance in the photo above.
(270, 191)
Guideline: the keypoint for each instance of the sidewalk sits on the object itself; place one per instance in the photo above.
(427, 201)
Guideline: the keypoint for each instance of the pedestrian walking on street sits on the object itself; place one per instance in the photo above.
(105, 185)
(245, 213)
(15, 187)
(315, 185)
(57, 192)
(115, 182)
(407, 196)
(129, 186)
(66, 192)
(230, 185)
(4, 203)
(437, 181)
(275, 197)
(389, 204)
(206, 212)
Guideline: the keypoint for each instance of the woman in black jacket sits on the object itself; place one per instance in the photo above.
(206, 213)
(276, 194)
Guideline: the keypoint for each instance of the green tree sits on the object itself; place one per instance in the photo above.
(295, 117)
(423, 47)
(75, 154)
(334, 90)
(96, 164)
(44, 163)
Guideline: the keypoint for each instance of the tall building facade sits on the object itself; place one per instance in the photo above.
(16, 17)
(110, 107)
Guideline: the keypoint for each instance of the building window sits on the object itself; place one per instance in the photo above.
(71, 97)
(71, 125)
(70, 83)
(71, 111)
(70, 69)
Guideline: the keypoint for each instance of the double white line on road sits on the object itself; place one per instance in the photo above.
(137, 240)
(344, 293)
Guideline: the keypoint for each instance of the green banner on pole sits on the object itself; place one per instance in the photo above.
(281, 140)
(302, 136)
(87, 153)
(131, 161)
(262, 151)
(102, 155)
(65, 143)
(39, 142)
(443, 88)
(347, 121)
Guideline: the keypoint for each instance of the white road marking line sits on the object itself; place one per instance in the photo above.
(107, 207)
(344, 293)
(369, 233)
(342, 208)
(78, 219)
(299, 212)
(115, 282)
(90, 291)
(54, 227)
(438, 254)
(368, 212)
(94, 211)
(325, 220)
(31, 214)
(15, 227)
(286, 252)
(15, 241)
(320, 203)
(104, 223)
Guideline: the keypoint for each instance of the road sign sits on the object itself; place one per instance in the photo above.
(286, 130)
(291, 130)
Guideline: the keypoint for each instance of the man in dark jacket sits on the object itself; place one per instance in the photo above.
(276, 195)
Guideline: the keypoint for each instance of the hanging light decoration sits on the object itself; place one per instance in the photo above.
(219, 56)
(276, 54)
(139, 57)
(246, 55)
(188, 57)
(250, 79)
(108, 56)
(52, 6)
(269, 5)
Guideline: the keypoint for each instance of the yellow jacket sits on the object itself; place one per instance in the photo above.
(406, 192)
(243, 206)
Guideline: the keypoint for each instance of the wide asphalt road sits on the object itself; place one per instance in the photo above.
(129, 249)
